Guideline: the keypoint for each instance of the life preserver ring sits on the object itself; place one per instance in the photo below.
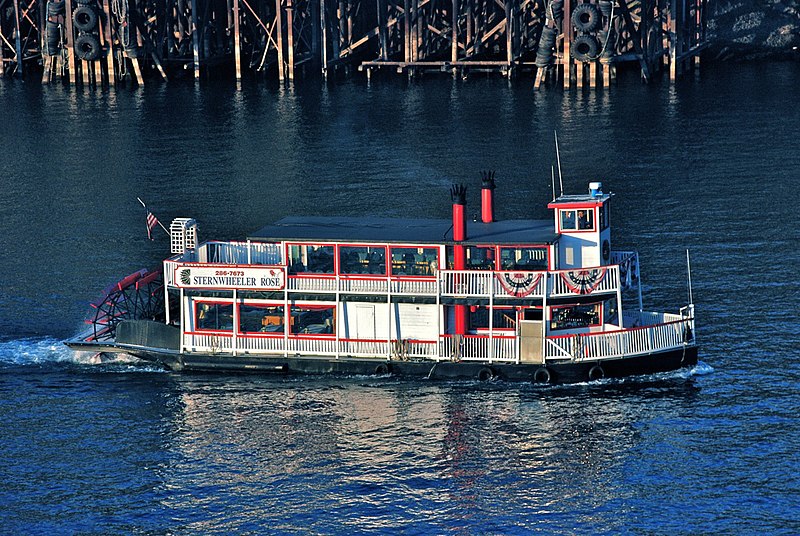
(584, 48)
(586, 17)
(542, 375)
(87, 47)
(596, 373)
(485, 374)
(383, 369)
(84, 19)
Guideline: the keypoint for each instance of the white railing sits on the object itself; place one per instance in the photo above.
(248, 344)
(634, 319)
(208, 342)
(466, 348)
(364, 348)
(420, 287)
(312, 284)
(366, 286)
(465, 283)
(215, 252)
(614, 344)
(476, 348)
(312, 346)
(584, 281)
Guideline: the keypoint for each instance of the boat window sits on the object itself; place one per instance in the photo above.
(414, 261)
(310, 258)
(521, 258)
(362, 260)
(480, 258)
(586, 219)
(610, 312)
(575, 316)
(502, 318)
(214, 316)
(313, 319)
(568, 222)
(604, 217)
(261, 318)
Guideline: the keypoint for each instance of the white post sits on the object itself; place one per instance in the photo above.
(182, 321)
(235, 327)
(491, 315)
(166, 293)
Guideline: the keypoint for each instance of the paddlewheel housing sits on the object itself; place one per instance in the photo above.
(136, 297)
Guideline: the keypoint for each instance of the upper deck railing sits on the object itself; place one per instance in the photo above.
(482, 284)
(235, 253)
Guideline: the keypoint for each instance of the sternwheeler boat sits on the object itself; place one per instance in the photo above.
(528, 300)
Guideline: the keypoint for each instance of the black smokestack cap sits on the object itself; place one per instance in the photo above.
(458, 192)
(487, 180)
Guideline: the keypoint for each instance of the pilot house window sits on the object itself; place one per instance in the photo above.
(577, 220)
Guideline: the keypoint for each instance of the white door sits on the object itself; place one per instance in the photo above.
(365, 322)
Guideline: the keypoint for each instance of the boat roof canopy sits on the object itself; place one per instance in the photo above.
(374, 230)
(565, 201)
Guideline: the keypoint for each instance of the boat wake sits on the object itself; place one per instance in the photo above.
(701, 369)
(41, 351)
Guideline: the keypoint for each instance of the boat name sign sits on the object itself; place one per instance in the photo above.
(229, 277)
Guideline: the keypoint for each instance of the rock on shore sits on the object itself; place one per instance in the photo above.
(753, 29)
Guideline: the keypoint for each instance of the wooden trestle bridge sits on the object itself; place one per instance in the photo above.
(558, 42)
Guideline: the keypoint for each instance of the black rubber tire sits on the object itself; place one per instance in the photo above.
(53, 38)
(557, 9)
(544, 53)
(84, 18)
(596, 373)
(605, 8)
(383, 369)
(485, 374)
(584, 48)
(542, 375)
(585, 17)
(87, 47)
(55, 8)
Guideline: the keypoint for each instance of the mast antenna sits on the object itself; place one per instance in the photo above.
(558, 157)
(689, 271)
(553, 180)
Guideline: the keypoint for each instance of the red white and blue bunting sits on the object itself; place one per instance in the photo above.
(519, 284)
(583, 281)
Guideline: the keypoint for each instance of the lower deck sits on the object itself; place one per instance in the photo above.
(641, 333)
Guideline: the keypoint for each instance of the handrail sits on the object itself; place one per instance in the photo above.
(623, 342)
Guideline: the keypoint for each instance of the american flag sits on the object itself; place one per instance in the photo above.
(152, 221)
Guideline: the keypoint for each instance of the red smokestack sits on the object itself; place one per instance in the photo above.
(459, 195)
(487, 196)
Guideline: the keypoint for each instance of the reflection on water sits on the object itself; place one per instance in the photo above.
(391, 455)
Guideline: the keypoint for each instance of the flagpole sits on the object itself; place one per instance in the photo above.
(157, 220)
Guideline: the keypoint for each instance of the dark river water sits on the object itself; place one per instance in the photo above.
(710, 164)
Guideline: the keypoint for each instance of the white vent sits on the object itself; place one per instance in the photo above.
(183, 235)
